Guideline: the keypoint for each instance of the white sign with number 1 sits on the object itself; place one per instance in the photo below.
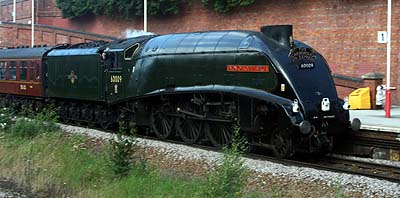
(382, 37)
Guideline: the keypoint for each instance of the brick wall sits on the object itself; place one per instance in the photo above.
(344, 31)
(12, 34)
(23, 10)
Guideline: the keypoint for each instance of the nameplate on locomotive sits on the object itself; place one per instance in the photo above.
(248, 68)
(303, 57)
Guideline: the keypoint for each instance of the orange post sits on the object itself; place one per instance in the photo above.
(387, 105)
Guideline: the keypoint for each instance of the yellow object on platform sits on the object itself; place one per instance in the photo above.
(360, 99)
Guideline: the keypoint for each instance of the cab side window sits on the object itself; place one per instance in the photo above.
(128, 53)
(115, 62)
(13, 70)
(110, 59)
(3, 70)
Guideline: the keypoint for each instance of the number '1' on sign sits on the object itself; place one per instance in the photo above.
(382, 37)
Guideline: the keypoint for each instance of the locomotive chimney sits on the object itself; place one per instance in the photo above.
(283, 34)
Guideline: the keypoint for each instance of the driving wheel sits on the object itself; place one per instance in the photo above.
(219, 133)
(161, 123)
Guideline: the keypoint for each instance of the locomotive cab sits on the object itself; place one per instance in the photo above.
(120, 64)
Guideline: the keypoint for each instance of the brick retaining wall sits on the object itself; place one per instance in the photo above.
(12, 35)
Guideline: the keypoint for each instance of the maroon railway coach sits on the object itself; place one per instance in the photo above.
(21, 71)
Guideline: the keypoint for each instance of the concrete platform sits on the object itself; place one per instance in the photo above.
(376, 120)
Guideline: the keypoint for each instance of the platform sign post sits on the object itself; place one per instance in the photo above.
(33, 23)
(145, 16)
(14, 13)
(388, 53)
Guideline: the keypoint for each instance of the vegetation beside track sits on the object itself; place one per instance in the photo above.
(34, 153)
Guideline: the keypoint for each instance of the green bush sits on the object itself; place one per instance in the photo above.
(224, 6)
(124, 154)
(32, 125)
(116, 8)
(27, 128)
(229, 179)
(127, 8)
(47, 115)
(26, 111)
(76, 8)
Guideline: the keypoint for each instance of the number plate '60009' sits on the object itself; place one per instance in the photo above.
(306, 66)
(116, 79)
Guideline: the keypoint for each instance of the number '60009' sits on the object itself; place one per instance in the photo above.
(116, 79)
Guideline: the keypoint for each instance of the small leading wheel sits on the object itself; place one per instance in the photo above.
(219, 133)
(281, 142)
(189, 129)
(161, 123)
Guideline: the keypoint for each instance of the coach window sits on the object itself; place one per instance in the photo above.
(37, 71)
(13, 70)
(23, 70)
(128, 53)
(3, 70)
(31, 71)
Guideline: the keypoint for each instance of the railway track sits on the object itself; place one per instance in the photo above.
(351, 166)
(328, 163)
(389, 140)
(367, 143)
(340, 165)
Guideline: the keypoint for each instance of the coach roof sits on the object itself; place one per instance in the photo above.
(23, 53)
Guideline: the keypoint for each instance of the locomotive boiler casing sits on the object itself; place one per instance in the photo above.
(207, 62)
(204, 58)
